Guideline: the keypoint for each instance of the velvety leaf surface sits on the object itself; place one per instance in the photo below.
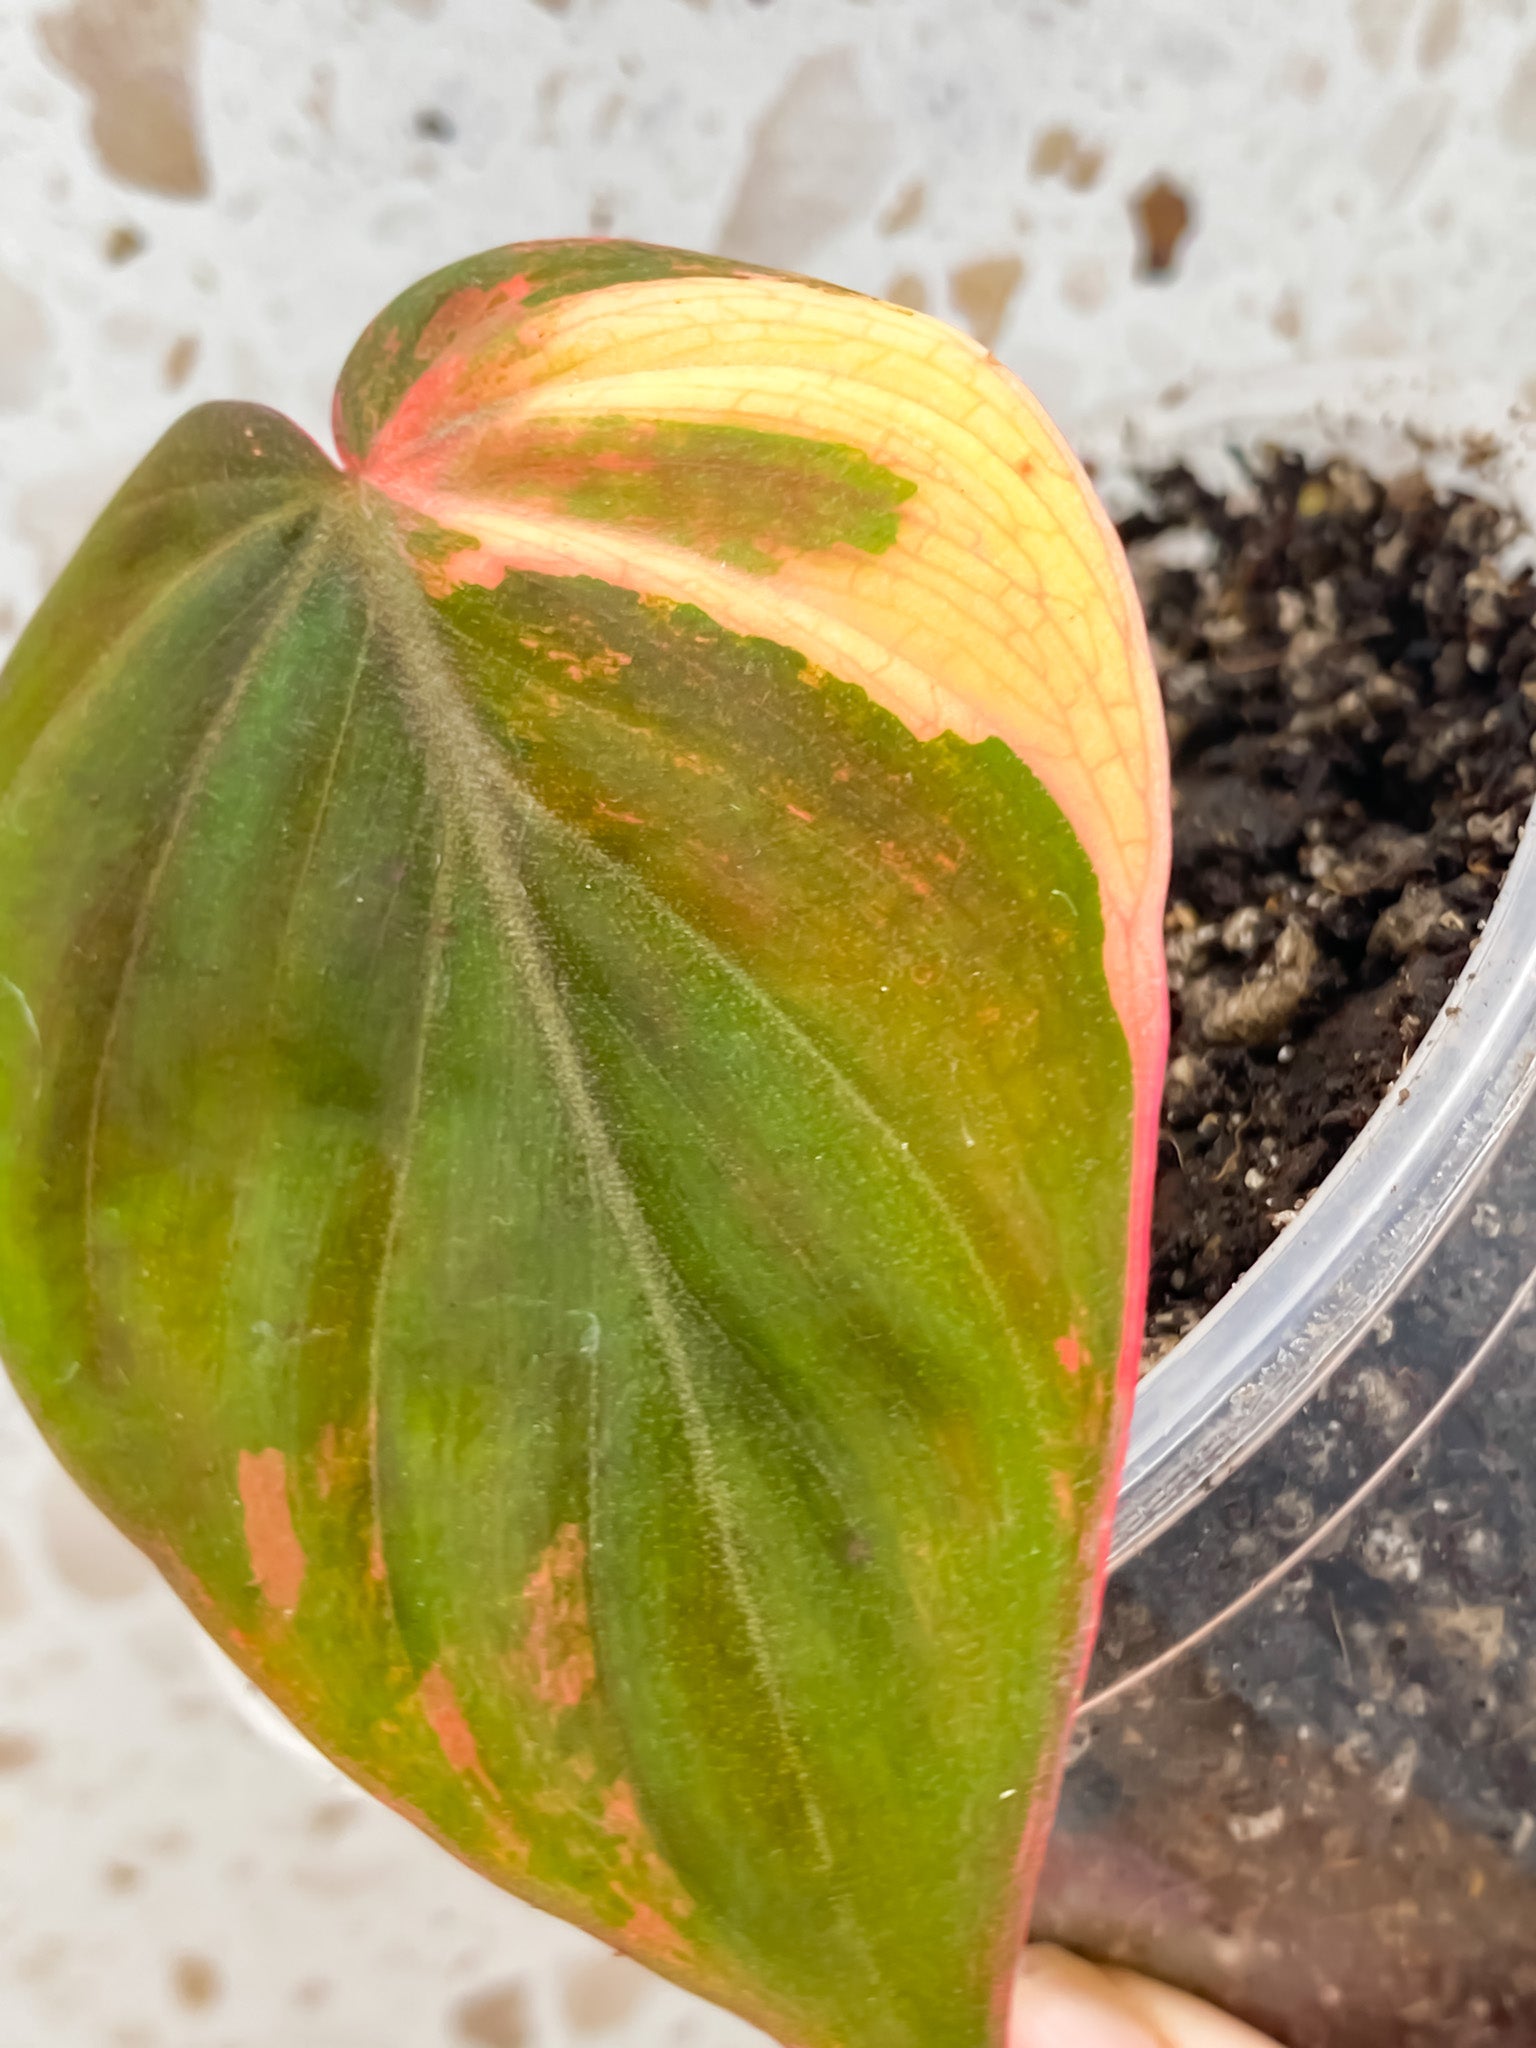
(574, 1136)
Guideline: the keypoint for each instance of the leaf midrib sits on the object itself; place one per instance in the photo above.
(844, 1086)
(471, 782)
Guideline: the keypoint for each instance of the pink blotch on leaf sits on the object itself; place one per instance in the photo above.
(621, 1816)
(558, 1645)
(277, 1557)
(900, 864)
(639, 1859)
(465, 309)
(1069, 1352)
(475, 566)
(459, 370)
(618, 459)
(445, 1717)
(653, 1936)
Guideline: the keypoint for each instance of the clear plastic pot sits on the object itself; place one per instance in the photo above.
(1305, 1774)
(1360, 1245)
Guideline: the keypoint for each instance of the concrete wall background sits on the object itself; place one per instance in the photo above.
(210, 197)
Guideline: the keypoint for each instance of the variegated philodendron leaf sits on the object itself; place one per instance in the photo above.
(579, 1045)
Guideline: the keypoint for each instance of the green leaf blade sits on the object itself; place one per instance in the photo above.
(568, 1176)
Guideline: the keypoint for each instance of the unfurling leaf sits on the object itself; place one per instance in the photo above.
(579, 1047)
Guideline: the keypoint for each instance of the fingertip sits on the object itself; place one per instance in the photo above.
(1059, 2001)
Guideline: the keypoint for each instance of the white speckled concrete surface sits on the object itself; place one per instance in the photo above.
(210, 197)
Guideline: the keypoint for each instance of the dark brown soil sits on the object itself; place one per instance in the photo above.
(1351, 691)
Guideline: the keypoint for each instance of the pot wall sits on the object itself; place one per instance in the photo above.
(1305, 1778)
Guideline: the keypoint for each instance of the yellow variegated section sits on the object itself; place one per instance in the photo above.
(1003, 608)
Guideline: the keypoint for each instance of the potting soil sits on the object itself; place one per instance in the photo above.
(1350, 682)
